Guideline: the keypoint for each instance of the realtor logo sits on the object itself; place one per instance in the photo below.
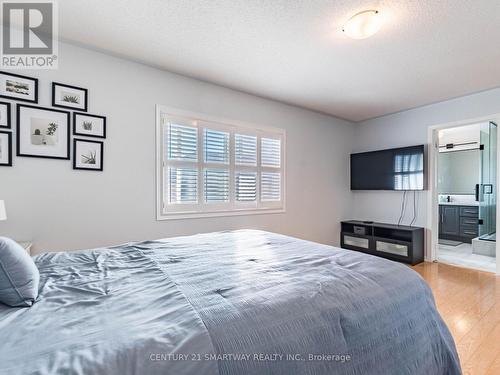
(29, 35)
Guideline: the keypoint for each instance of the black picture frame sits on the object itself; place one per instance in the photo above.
(75, 148)
(103, 118)
(75, 108)
(9, 141)
(18, 131)
(35, 81)
(9, 116)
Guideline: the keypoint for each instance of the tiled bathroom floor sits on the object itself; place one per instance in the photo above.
(461, 255)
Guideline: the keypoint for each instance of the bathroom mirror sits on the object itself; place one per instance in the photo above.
(458, 171)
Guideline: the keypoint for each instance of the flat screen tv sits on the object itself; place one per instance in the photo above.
(394, 169)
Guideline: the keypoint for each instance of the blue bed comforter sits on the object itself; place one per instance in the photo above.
(241, 302)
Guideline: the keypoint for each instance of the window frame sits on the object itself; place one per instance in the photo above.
(202, 209)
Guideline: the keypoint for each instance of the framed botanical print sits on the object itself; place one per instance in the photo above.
(5, 149)
(88, 155)
(89, 125)
(5, 115)
(42, 132)
(15, 86)
(70, 97)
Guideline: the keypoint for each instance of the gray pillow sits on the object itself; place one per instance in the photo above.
(19, 277)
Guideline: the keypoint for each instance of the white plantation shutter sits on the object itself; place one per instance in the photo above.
(183, 185)
(270, 186)
(270, 152)
(216, 146)
(216, 185)
(246, 186)
(245, 149)
(207, 168)
(182, 142)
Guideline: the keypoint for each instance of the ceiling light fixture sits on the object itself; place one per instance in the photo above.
(363, 24)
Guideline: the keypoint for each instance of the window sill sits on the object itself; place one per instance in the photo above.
(201, 215)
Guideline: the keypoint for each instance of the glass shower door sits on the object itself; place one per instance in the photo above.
(487, 192)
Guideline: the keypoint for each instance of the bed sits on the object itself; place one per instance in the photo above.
(235, 302)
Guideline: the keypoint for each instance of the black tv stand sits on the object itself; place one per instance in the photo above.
(401, 243)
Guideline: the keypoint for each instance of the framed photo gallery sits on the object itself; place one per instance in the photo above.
(46, 132)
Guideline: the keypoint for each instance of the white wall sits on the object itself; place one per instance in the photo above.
(458, 135)
(59, 208)
(411, 128)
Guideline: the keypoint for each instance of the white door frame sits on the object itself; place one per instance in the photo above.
(432, 197)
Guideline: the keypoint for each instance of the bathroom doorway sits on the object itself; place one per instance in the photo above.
(466, 183)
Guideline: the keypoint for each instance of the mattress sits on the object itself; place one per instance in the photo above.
(236, 302)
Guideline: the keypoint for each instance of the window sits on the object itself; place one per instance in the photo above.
(408, 171)
(209, 168)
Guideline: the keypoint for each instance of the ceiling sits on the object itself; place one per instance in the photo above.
(294, 51)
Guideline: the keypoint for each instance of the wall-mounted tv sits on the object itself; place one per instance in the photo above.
(394, 169)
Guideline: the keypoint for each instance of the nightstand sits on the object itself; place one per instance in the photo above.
(26, 245)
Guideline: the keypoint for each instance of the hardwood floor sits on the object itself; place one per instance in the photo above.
(469, 302)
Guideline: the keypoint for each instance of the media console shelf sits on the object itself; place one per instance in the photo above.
(396, 242)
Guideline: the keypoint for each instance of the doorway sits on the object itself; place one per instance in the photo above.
(466, 175)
